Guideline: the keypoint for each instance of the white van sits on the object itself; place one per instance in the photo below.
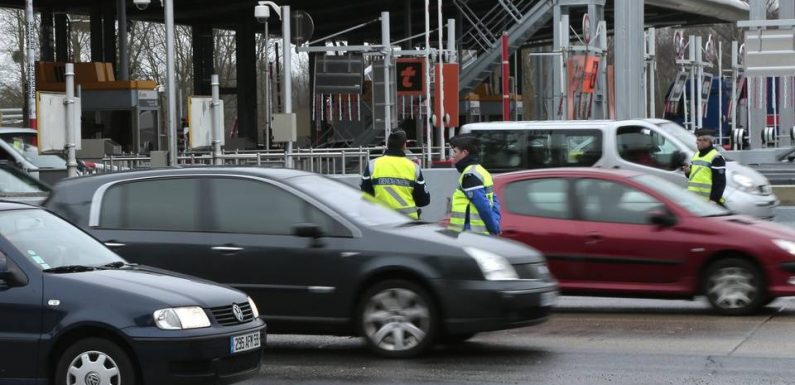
(654, 146)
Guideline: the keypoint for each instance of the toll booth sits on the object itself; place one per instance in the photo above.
(126, 112)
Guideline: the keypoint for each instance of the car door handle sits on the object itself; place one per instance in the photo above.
(114, 244)
(226, 248)
(592, 239)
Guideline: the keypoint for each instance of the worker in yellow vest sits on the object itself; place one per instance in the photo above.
(474, 206)
(394, 180)
(706, 173)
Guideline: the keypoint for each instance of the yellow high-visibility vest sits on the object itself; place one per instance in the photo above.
(394, 178)
(700, 178)
(460, 202)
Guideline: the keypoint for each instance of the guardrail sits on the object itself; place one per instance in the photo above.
(324, 160)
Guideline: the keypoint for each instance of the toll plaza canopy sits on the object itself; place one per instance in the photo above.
(530, 22)
(331, 17)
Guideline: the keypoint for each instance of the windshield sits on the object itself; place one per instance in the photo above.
(687, 137)
(19, 139)
(31, 153)
(693, 203)
(348, 201)
(681, 133)
(14, 181)
(50, 242)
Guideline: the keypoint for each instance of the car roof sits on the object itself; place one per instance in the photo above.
(271, 173)
(554, 124)
(567, 172)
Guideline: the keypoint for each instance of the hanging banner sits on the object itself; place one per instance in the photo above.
(450, 94)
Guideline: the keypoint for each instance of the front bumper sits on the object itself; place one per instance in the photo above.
(759, 206)
(198, 359)
(478, 306)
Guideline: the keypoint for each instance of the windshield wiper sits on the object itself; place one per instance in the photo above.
(69, 269)
(116, 265)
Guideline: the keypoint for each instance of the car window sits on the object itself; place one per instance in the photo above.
(50, 242)
(14, 181)
(348, 201)
(153, 204)
(607, 201)
(693, 203)
(505, 150)
(539, 198)
(501, 149)
(256, 207)
(646, 147)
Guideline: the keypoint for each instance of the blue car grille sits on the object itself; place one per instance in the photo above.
(225, 316)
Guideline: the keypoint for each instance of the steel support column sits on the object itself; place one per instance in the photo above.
(757, 100)
(61, 39)
(629, 49)
(786, 107)
(203, 53)
(46, 36)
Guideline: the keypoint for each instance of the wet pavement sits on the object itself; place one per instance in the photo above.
(588, 341)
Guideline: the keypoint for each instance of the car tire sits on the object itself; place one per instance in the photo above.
(735, 286)
(397, 319)
(94, 361)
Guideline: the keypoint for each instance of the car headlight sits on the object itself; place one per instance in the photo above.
(788, 246)
(493, 266)
(742, 182)
(254, 309)
(177, 318)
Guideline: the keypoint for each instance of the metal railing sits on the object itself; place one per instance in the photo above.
(325, 161)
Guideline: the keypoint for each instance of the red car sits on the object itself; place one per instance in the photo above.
(627, 234)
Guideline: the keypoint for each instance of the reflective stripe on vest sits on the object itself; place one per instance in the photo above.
(460, 204)
(700, 179)
(393, 179)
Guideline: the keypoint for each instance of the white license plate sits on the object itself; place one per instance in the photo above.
(245, 342)
(549, 298)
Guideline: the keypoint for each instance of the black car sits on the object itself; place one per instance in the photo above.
(73, 312)
(314, 255)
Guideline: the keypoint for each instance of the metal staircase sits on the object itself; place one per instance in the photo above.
(480, 43)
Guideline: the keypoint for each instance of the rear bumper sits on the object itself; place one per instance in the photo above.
(198, 360)
(478, 306)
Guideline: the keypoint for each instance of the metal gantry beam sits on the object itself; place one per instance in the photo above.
(629, 49)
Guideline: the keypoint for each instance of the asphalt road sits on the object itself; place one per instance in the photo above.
(588, 341)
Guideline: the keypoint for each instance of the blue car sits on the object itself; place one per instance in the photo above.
(74, 312)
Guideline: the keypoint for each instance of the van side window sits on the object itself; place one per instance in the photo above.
(155, 204)
(643, 146)
(546, 198)
(510, 150)
(501, 149)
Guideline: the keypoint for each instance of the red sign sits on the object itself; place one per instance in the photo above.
(410, 75)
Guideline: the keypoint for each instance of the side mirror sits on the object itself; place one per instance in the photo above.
(307, 230)
(678, 159)
(661, 218)
(8, 277)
